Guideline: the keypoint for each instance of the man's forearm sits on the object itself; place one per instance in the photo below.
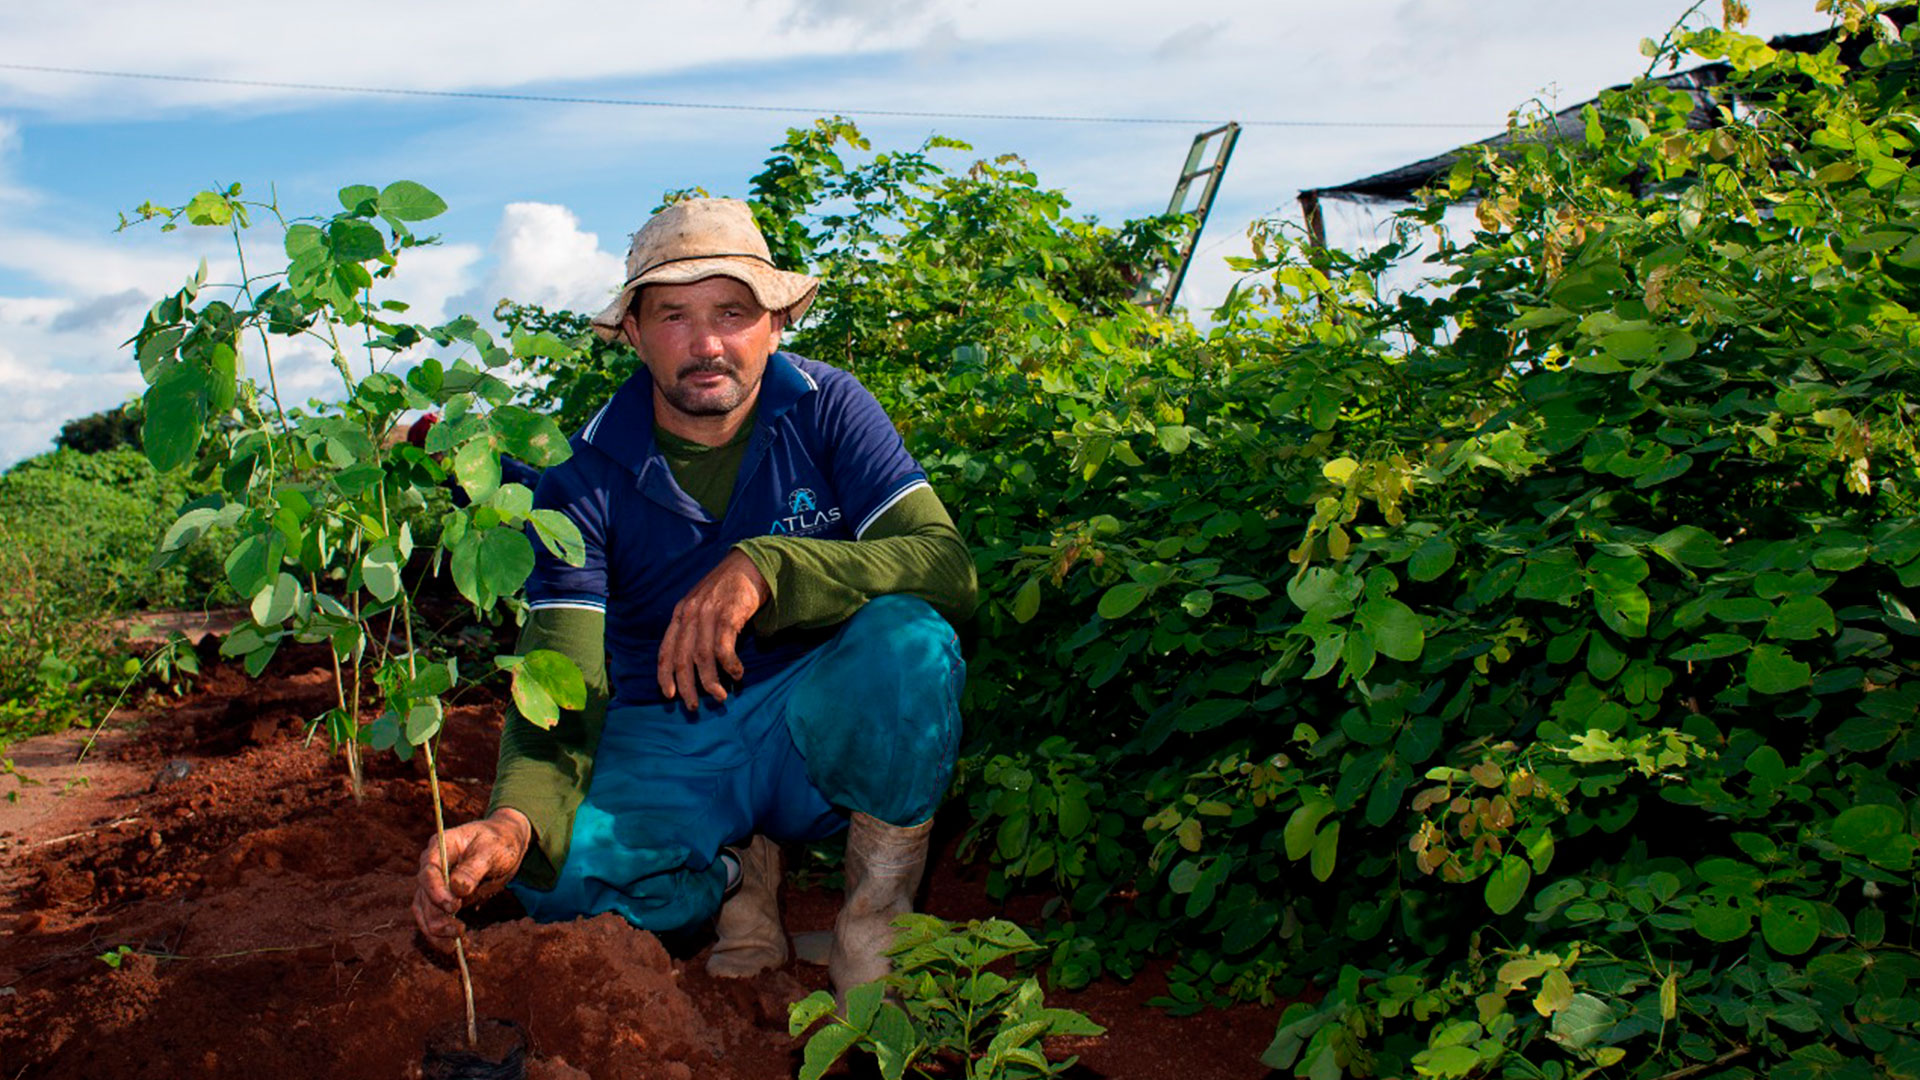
(544, 772)
(913, 548)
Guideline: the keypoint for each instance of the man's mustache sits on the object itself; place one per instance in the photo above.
(702, 367)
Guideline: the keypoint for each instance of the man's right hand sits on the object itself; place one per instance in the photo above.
(479, 854)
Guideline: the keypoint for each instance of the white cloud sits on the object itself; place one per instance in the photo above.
(1189, 41)
(9, 149)
(43, 386)
(541, 256)
(865, 15)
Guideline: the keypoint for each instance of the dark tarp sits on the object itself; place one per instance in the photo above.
(1399, 185)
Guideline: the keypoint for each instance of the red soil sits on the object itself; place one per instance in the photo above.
(265, 914)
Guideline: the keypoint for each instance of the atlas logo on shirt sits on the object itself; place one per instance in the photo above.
(803, 515)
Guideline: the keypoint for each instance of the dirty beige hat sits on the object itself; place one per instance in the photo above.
(702, 238)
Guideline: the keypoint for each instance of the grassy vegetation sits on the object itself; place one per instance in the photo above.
(76, 533)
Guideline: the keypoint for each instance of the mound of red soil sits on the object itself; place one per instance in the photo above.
(257, 921)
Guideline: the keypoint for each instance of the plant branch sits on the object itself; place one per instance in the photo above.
(1692, 1070)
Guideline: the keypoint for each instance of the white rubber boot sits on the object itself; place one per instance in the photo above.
(752, 940)
(883, 869)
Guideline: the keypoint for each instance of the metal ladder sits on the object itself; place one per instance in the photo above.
(1160, 286)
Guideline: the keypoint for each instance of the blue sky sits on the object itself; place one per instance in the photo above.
(543, 195)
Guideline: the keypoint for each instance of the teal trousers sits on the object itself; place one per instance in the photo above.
(868, 722)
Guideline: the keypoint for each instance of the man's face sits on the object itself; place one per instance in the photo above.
(705, 343)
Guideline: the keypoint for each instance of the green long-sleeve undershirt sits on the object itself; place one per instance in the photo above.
(912, 548)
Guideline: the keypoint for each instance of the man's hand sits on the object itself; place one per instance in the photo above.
(479, 853)
(706, 623)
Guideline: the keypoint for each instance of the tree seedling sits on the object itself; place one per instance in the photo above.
(335, 526)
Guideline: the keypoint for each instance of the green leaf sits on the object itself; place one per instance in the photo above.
(505, 559)
(560, 535)
(1689, 546)
(863, 1002)
(1741, 609)
(1323, 593)
(1447, 1061)
(424, 720)
(464, 562)
(209, 208)
(1625, 611)
(1713, 647)
(826, 1047)
(1026, 602)
(1430, 560)
(408, 201)
(529, 436)
(176, 412)
(477, 468)
(804, 1013)
(1300, 827)
(1800, 618)
(355, 197)
(187, 528)
(544, 683)
(513, 501)
(352, 241)
(1554, 577)
(1120, 600)
(1723, 917)
(380, 571)
(1396, 630)
(1210, 714)
(1074, 814)
(273, 604)
(1770, 670)
(893, 1041)
(1325, 845)
(1585, 1019)
(1864, 830)
(1630, 346)
(1789, 924)
(1616, 573)
(1507, 884)
(254, 560)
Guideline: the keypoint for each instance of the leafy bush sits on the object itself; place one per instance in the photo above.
(108, 429)
(953, 1009)
(77, 531)
(85, 525)
(1521, 661)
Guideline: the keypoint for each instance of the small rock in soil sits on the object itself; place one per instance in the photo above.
(172, 772)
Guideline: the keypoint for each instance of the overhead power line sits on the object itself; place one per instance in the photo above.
(635, 103)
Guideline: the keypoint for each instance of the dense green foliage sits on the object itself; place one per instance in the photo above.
(1519, 661)
(84, 525)
(78, 530)
(108, 429)
(312, 512)
(954, 1016)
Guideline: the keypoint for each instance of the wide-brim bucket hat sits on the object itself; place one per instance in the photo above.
(696, 239)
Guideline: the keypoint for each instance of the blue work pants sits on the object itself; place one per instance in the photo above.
(868, 722)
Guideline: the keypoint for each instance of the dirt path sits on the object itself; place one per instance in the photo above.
(258, 918)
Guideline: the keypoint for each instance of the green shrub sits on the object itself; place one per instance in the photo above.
(85, 526)
(77, 531)
(955, 1015)
(1523, 662)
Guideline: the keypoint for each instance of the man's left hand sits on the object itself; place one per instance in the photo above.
(699, 645)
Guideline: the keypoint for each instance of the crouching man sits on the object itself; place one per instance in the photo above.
(762, 620)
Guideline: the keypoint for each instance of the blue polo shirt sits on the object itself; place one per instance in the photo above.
(824, 461)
